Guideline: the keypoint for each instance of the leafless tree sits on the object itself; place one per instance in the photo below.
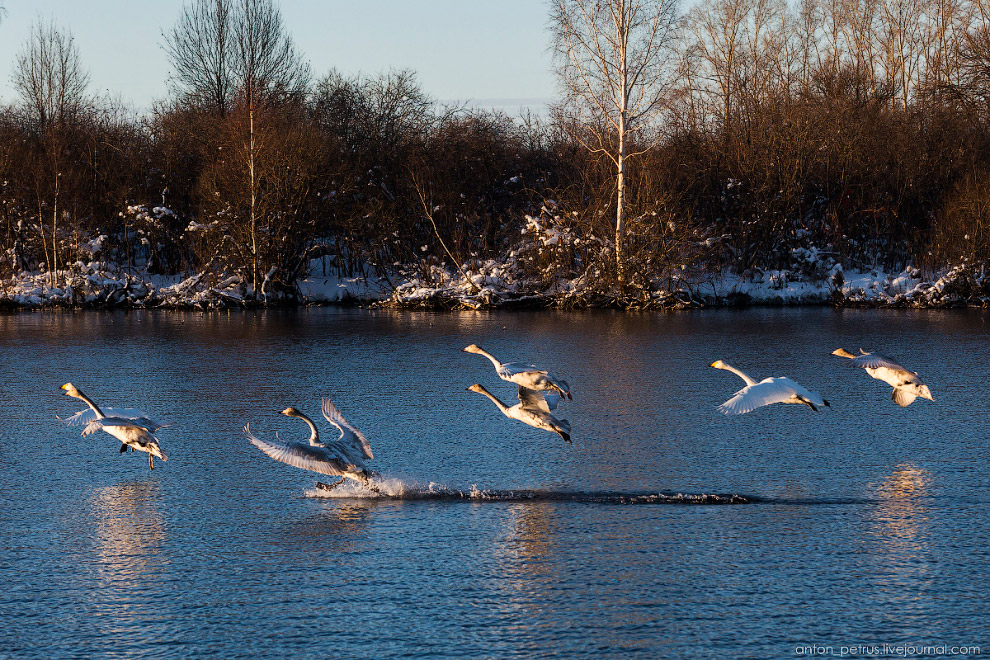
(615, 58)
(52, 83)
(200, 47)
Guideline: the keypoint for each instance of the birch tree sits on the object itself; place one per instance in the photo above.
(235, 58)
(614, 64)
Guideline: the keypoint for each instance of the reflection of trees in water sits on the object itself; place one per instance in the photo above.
(129, 535)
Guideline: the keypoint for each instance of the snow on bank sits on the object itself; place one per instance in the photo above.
(493, 284)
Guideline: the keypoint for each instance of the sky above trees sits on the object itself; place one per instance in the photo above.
(489, 53)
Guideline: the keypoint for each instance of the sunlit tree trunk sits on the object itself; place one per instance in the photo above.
(613, 58)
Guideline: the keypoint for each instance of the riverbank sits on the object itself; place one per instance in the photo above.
(492, 286)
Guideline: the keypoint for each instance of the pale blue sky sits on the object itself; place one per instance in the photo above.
(460, 49)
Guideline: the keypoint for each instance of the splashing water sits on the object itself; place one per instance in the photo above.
(394, 488)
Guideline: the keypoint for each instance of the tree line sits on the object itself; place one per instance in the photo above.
(743, 133)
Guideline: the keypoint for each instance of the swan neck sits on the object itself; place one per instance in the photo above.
(314, 435)
(749, 381)
(89, 402)
(501, 406)
(491, 357)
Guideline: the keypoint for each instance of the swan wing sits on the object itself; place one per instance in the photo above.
(903, 398)
(751, 397)
(306, 457)
(112, 422)
(510, 369)
(350, 437)
(877, 361)
(538, 400)
(84, 417)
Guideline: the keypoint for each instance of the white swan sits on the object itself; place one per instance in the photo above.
(533, 409)
(131, 427)
(524, 375)
(766, 392)
(343, 457)
(907, 386)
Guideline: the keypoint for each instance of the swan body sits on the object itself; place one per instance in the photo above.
(766, 392)
(533, 408)
(131, 427)
(907, 386)
(524, 375)
(344, 457)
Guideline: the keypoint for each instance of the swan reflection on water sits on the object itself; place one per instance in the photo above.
(129, 535)
(901, 529)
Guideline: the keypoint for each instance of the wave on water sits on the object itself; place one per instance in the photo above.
(396, 489)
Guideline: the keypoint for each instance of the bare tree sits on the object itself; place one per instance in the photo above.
(200, 47)
(52, 84)
(614, 65)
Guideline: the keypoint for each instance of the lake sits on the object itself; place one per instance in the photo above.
(863, 524)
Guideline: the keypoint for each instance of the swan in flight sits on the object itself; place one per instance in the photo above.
(766, 392)
(343, 457)
(131, 427)
(533, 408)
(524, 375)
(907, 386)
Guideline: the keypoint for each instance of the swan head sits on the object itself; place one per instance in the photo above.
(70, 390)
(841, 352)
(717, 364)
(925, 393)
(476, 388)
(290, 412)
(473, 348)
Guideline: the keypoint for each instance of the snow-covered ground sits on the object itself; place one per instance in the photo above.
(493, 284)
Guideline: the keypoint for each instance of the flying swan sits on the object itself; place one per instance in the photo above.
(533, 409)
(907, 386)
(524, 375)
(767, 391)
(131, 427)
(343, 457)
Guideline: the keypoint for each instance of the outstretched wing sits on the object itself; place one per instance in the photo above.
(137, 417)
(350, 437)
(877, 361)
(306, 457)
(751, 397)
(510, 369)
(537, 400)
(112, 422)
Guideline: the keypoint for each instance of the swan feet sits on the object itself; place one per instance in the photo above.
(328, 487)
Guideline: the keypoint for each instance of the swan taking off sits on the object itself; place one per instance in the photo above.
(343, 457)
(533, 409)
(767, 391)
(524, 375)
(131, 427)
(907, 386)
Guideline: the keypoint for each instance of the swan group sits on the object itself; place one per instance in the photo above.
(539, 393)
